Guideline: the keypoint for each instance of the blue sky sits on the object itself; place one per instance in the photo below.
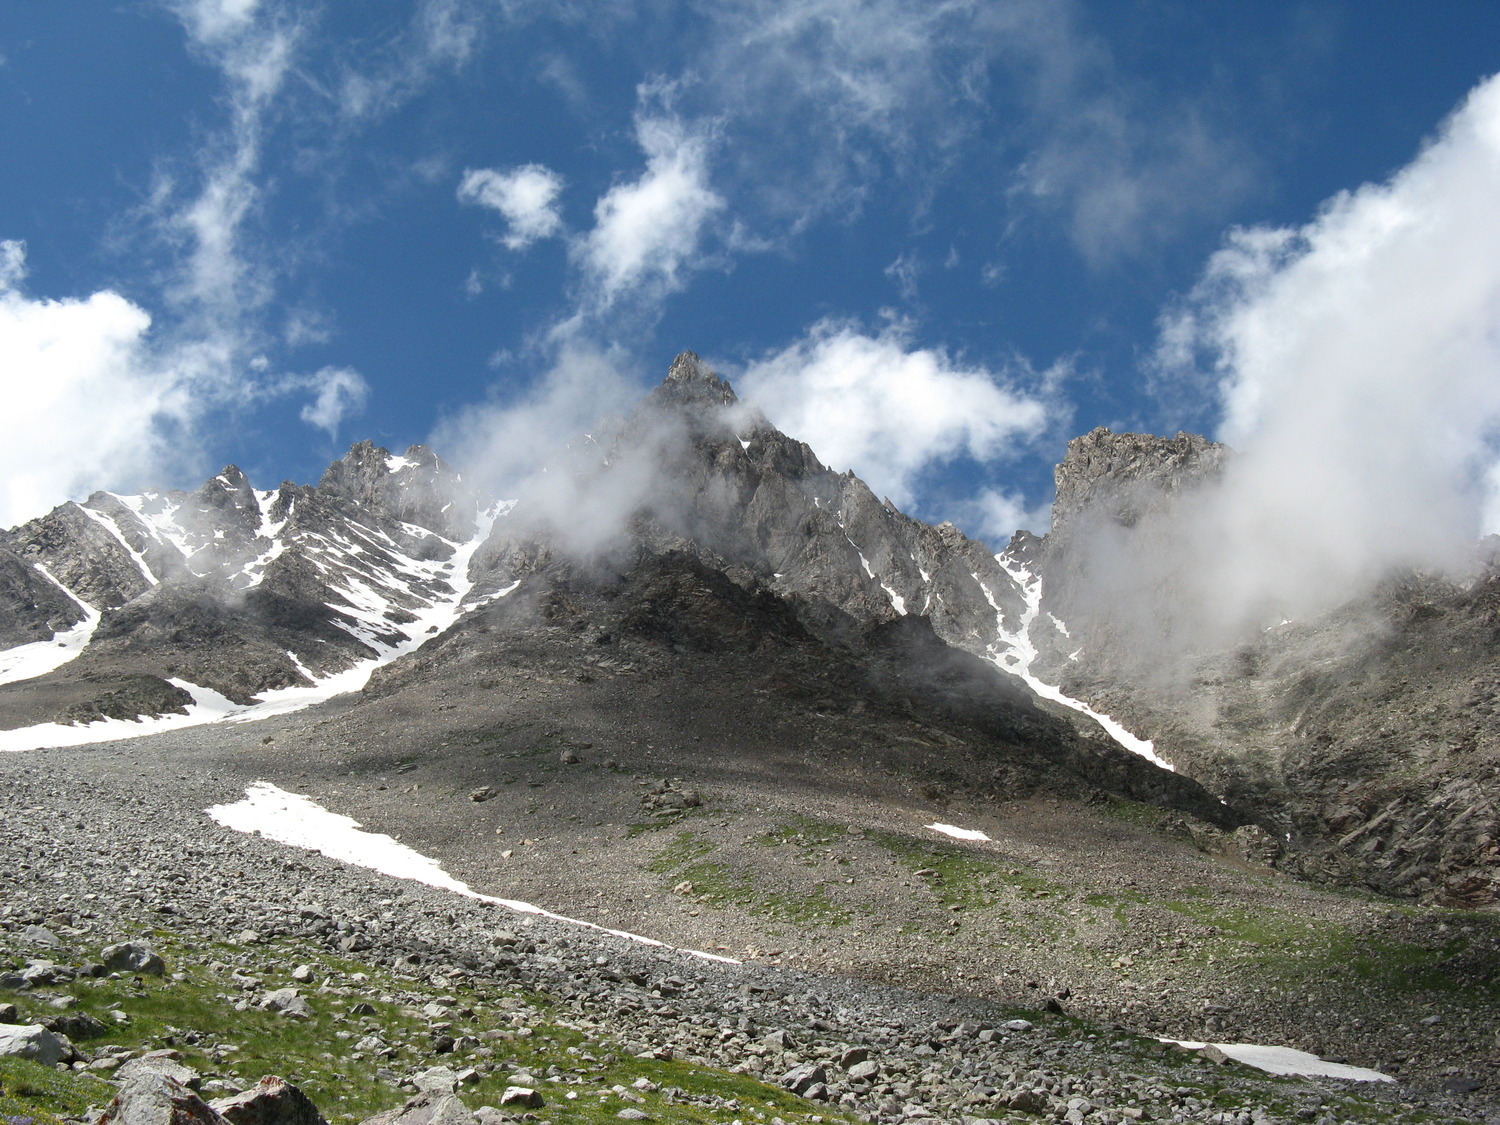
(935, 240)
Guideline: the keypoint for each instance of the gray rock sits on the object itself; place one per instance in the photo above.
(426, 1109)
(9, 1014)
(1017, 1025)
(43, 972)
(133, 957)
(40, 935)
(436, 1080)
(521, 1096)
(801, 1079)
(289, 1002)
(630, 1113)
(159, 1063)
(152, 1098)
(864, 1071)
(77, 1025)
(32, 1041)
(271, 1101)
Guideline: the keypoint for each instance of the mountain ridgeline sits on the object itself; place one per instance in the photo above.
(747, 597)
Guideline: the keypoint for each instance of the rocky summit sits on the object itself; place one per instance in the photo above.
(698, 783)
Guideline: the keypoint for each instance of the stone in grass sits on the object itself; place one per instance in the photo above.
(155, 1099)
(40, 935)
(633, 1114)
(133, 957)
(289, 1002)
(521, 1096)
(436, 1080)
(1017, 1025)
(77, 1025)
(426, 1109)
(158, 1062)
(32, 1041)
(271, 1101)
(8, 1014)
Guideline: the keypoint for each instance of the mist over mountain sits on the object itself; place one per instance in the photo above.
(693, 518)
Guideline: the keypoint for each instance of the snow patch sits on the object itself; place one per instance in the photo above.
(958, 833)
(26, 662)
(394, 464)
(1287, 1061)
(209, 706)
(299, 821)
(113, 528)
(1014, 652)
(896, 599)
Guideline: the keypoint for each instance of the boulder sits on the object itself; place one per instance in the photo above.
(77, 1025)
(801, 1079)
(133, 957)
(271, 1101)
(436, 1080)
(32, 1041)
(158, 1062)
(521, 1096)
(151, 1098)
(426, 1109)
(289, 1002)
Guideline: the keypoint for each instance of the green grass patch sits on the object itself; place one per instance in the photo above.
(962, 879)
(28, 1089)
(206, 1015)
(716, 884)
(805, 831)
(686, 848)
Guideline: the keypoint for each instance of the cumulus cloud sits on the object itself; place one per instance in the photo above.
(526, 197)
(84, 406)
(887, 410)
(995, 514)
(647, 232)
(1357, 360)
(341, 391)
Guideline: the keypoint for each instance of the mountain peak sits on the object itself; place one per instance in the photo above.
(690, 381)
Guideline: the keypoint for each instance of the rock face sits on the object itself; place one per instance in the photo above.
(1363, 738)
(732, 538)
(231, 589)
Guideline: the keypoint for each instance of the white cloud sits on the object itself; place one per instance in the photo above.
(903, 273)
(996, 514)
(219, 280)
(442, 34)
(526, 197)
(647, 232)
(1358, 362)
(211, 20)
(341, 391)
(84, 406)
(874, 404)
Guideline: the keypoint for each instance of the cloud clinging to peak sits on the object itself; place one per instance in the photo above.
(1357, 362)
(890, 411)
